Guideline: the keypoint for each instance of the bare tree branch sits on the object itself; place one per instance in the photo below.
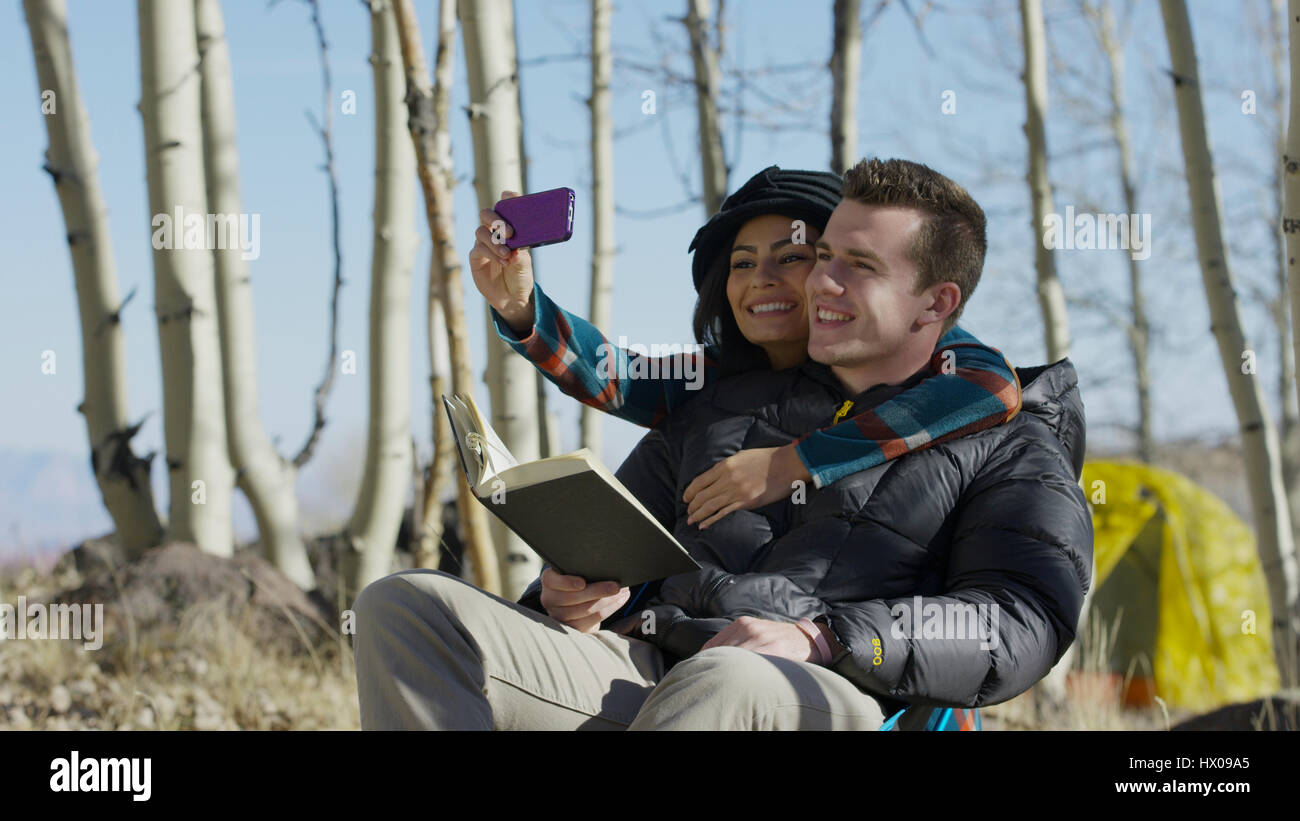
(326, 133)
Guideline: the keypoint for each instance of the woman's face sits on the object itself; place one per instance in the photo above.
(766, 287)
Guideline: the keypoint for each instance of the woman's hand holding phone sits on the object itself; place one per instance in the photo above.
(503, 276)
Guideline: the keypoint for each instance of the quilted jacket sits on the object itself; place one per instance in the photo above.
(952, 576)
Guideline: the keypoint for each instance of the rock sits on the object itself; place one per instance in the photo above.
(60, 699)
(266, 704)
(165, 583)
(18, 719)
(1279, 712)
(144, 719)
(207, 720)
(165, 706)
(94, 555)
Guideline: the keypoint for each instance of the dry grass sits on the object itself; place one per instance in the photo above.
(1095, 700)
(206, 672)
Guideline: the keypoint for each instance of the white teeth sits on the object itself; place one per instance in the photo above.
(770, 306)
(832, 316)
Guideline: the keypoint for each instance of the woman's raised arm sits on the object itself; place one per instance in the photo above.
(577, 358)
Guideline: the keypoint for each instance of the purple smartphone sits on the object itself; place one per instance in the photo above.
(544, 218)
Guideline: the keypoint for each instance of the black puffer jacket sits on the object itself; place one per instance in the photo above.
(995, 520)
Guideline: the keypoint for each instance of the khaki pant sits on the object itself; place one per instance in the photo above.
(435, 652)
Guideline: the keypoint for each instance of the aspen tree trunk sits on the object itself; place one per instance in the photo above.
(547, 434)
(487, 29)
(372, 532)
(266, 479)
(705, 59)
(72, 163)
(429, 107)
(194, 417)
(424, 129)
(1138, 329)
(1259, 443)
(473, 517)
(1051, 297)
(438, 477)
(602, 195)
(1290, 427)
(846, 65)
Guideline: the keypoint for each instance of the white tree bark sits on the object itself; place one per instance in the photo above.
(194, 419)
(1289, 430)
(602, 195)
(429, 107)
(1051, 296)
(487, 30)
(704, 57)
(846, 65)
(1259, 444)
(266, 479)
(1138, 328)
(438, 477)
(372, 531)
(72, 163)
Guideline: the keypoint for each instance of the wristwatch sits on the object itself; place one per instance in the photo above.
(837, 648)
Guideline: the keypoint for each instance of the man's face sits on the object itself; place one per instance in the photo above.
(861, 302)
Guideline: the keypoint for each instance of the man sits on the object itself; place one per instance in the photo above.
(954, 575)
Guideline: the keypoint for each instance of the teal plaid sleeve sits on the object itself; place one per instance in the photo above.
(631, 384)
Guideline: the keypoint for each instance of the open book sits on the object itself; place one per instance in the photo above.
(570, 508)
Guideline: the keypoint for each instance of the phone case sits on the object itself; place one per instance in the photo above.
(544, 218)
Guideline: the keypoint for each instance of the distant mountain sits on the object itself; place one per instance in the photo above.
(49, 501)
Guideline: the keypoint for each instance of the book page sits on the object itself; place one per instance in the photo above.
(483, 453)
(496, 456)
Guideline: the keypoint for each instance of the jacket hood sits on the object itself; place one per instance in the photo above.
(1051, 393)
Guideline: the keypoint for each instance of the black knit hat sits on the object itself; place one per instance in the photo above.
(807, 195)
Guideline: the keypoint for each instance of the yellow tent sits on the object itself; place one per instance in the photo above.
(1182, 569)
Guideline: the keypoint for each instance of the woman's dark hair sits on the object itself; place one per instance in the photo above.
(715, 325)
(809, 196)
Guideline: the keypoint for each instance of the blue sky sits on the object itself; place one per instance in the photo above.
(970, 48)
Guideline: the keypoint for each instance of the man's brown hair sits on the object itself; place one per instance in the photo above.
(951, 242)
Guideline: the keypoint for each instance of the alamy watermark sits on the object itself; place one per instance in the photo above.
(949, 620)
(208, 232)
(675, 361)
(1088, 232)
(37, 620)
(127, 775)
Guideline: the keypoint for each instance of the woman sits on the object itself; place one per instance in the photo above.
(749, 266)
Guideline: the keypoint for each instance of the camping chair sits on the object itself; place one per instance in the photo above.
(933, 718)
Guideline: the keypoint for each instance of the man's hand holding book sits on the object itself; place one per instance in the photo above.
(582, 606)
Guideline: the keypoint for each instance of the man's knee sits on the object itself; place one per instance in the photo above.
(731, 688)
(718, 688)
(727, 674)
(728, 667)
(400, 595)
